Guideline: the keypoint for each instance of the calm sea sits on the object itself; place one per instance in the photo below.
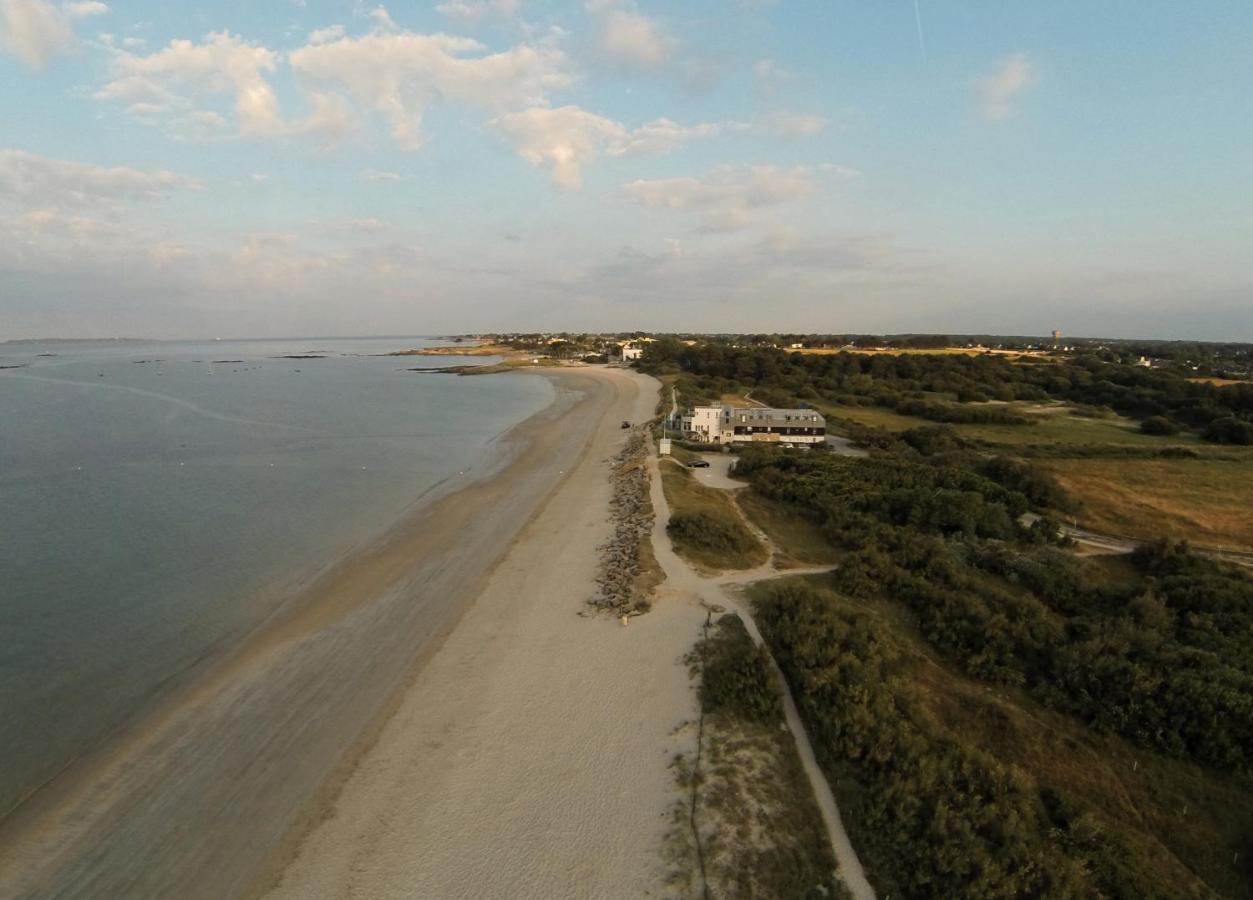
(157, 501)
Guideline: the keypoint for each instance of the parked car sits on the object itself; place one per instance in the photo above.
(698, 464)
(626, 424)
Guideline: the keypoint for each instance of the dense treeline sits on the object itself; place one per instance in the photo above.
(934, 817)
(1166, 660)
(916, 384)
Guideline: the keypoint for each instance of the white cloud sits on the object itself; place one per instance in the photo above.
(839, 170)
(86, 8)
(663, 136)
(382, 18)
(399, 75)
(627, 37)
(727, 197)
(326, 35)
(375, 175)
(330, 120)
(560, 140)
(472, 12)
(172, 79)
(998, 91)
(31, 181)
(36, 30)
(368, 225)
(788, 124)
(56, 211)
(563, 140)
(769, 77)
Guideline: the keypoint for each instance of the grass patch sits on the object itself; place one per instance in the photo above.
(1205, 501)
(704, 526)
(682, 454)
(797, 539)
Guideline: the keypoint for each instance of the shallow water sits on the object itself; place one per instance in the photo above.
(157, 501)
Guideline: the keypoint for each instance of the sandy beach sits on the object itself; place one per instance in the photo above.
(213, 792)
(530, 756)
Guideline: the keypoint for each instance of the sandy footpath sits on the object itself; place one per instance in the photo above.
(194, 801)
(529, 758)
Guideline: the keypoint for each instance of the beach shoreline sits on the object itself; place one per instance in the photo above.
(530, 756)
(238, 753)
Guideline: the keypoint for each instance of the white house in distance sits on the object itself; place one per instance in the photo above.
(630, 352)
(754, 424)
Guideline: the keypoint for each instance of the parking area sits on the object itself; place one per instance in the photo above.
(717, 475)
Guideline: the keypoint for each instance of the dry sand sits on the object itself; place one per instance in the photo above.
(530, 756)
(194, 802)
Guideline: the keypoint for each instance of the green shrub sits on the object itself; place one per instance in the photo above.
(1159, 425)
(735, 675)
(711, 533)
(1229, 430)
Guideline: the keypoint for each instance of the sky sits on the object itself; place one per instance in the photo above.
(327, 167)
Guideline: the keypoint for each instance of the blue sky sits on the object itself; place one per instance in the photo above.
(188, 169)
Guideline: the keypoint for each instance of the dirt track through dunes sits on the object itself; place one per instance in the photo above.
(530, 756)
(683, 582)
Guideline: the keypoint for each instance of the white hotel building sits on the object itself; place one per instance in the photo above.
(745, 425)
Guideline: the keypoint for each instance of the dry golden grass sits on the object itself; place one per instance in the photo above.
(797, 540)
(1217, 382)
(1209, 502)
(901, 351)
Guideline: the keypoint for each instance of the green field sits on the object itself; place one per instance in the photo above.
(1054, 425)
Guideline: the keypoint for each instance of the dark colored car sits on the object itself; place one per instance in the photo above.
(698, 464)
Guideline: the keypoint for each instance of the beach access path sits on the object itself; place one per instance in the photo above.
(530, 756)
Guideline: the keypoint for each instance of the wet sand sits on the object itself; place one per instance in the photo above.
(200, 798)
(530, 756)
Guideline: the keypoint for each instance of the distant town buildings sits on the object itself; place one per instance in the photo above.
(753, 424)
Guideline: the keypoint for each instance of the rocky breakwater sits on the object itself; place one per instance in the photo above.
(626, 562)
